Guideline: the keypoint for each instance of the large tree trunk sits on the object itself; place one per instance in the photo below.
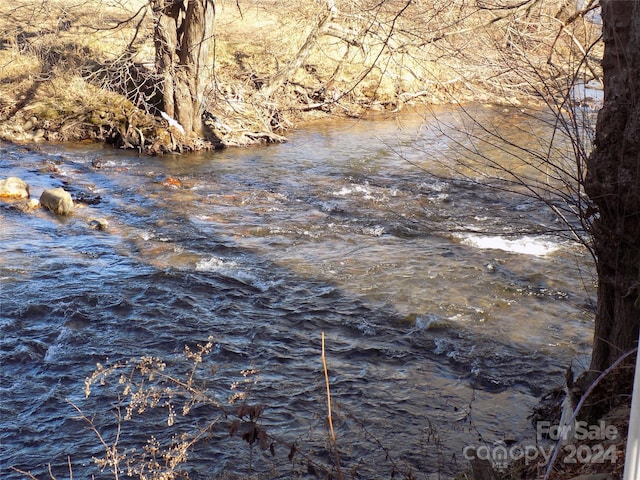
(613, 183)
(183, 39)
(166, 20)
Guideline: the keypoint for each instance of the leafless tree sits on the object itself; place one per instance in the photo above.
(613, 184)
(183, 38)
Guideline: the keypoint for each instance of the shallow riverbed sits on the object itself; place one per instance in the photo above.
(443, 321)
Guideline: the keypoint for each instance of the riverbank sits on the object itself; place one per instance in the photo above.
(85, 72)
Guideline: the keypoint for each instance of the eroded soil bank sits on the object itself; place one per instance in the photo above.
(74, 71)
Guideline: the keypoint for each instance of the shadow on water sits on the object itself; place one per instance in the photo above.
(180, 264)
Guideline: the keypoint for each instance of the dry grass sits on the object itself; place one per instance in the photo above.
(48, 48)
(368, 55)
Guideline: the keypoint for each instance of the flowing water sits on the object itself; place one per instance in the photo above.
(443, 321)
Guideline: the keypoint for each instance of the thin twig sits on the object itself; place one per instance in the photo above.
(26, 474)
(329, 415)
(112, 455)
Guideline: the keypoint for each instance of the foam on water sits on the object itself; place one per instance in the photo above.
(365, 190)
(529, 245)
(231, 269)
(215, 264)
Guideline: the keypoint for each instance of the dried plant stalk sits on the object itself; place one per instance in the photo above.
(329, 414)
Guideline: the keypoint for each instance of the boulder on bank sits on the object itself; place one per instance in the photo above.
(57, 200)
(14, 187)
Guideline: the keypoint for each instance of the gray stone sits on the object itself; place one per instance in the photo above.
(57, 200)
(14, 187)
(29, 124)
(28, 206)
(98, 223)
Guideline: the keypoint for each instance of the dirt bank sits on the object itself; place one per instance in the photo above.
(84, 70)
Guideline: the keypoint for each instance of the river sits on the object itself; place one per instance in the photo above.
(444, 322)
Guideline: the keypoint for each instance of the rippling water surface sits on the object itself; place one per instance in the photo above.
(429, 298)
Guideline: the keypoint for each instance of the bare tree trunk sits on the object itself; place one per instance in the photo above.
(193, 75)
(166, 20)
(613, 183)
(183, 39)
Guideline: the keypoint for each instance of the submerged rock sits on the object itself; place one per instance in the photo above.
(14, 187)
(57, 200)
(23, 205)
(28, 206)
(98, 223)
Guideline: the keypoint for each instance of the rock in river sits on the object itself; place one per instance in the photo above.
(57, 200)
(14, 187)
(98, 223)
